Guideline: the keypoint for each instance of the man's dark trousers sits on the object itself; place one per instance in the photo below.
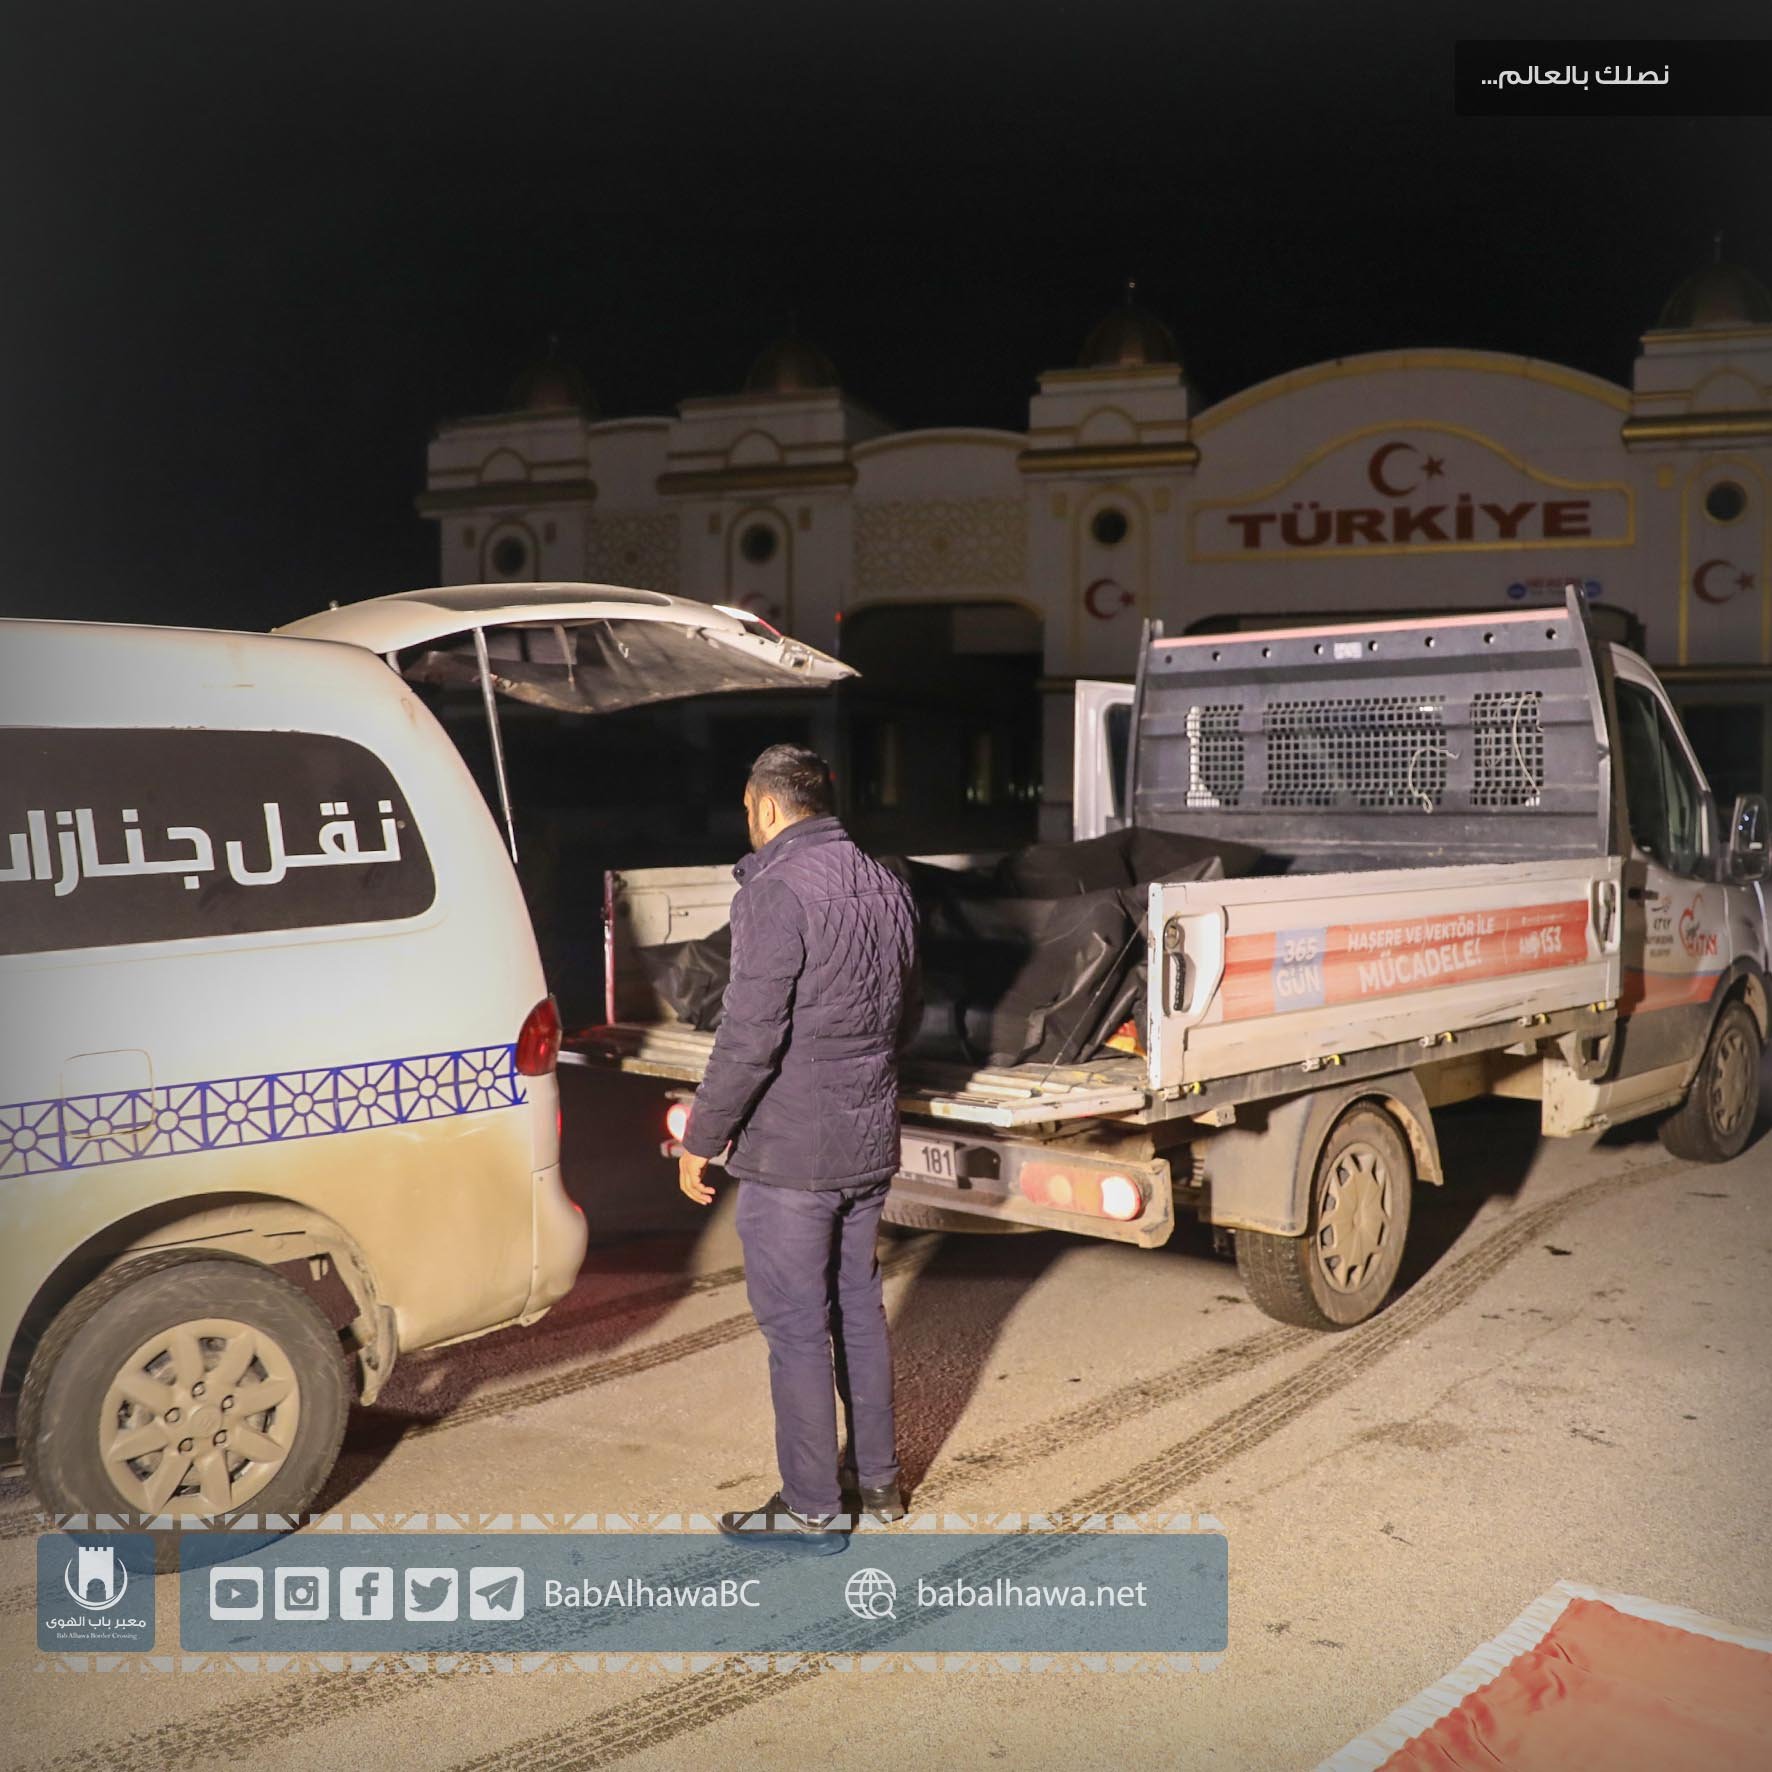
(812, 1278)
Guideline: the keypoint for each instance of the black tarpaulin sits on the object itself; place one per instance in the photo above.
(1037, 958)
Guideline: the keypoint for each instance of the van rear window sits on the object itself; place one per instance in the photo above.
(118, 834)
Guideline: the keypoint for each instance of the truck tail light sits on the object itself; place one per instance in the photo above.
(677, 1119)
(1071, 1187)
(538, 1040)
(1120, 1197)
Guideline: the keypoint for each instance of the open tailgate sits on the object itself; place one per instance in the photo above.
(578, 649)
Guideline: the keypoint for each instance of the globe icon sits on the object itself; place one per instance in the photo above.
(870, 1593)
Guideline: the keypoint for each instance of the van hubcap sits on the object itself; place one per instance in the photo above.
(1354, 1216)
(1731, 1077)
(199, 1418)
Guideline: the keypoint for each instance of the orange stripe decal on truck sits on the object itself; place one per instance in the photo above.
(1644, 991)
(1311, 968)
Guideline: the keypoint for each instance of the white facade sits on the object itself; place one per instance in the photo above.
(1413, 479)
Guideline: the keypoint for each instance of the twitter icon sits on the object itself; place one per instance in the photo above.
(432, 1596)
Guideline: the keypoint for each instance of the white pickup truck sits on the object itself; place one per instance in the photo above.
(1489, 865)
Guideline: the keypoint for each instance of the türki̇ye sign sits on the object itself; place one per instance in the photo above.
(1421, 491)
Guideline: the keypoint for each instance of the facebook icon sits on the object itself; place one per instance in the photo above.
(366, 1594)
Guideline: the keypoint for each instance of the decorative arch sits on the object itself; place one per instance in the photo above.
(1571, 381)
(503, 464)
(1108, 424)
(753, 449)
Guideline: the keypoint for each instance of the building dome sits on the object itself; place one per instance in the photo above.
(551, 385)
(790, 366)
(1128, 338)
(1718, 295)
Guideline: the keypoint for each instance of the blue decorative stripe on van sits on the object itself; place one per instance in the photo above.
(122, 1126)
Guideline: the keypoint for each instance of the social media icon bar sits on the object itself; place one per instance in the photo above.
(495, 1594)
(236, 1592)
(303, 1593)
(366, 1593)
(432, 1596)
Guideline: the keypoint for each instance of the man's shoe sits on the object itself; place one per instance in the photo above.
(884, 1504)
(777, 1524)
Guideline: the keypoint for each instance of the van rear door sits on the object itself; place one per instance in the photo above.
(580, 649)
(575, 648)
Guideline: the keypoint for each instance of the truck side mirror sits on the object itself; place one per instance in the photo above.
(1748, 827)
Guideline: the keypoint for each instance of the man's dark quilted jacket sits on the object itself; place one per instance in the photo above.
(803, 1079)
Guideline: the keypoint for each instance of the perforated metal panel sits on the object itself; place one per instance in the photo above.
(1507, 736)
(1414, 742)
(1358, 750)
(1215, 754)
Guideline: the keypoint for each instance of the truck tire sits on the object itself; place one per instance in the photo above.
(1342, 1269)
(1717, 1117)
(94, 1438)
(908, 1217)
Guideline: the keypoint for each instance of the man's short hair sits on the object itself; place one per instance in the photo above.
(796, 779)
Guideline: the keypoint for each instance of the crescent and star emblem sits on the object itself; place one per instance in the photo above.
(1105, 598)
(1743, 581)
(1432, 467)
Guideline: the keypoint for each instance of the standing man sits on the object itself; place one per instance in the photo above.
(803, 1086)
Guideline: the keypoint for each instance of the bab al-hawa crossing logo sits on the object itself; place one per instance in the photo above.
(81, 1590)
(102, 1580)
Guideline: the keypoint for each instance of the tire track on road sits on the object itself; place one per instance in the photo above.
(560, 1320)
(703, 1699)
(574, 1379)
(699, 1700)
(631, 1304)
(1126, 1402)
(28, 1521)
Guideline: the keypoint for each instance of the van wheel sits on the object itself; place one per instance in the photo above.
(1717, 1117)
(1342, 1269)
(186, 1383)
(908, 1218)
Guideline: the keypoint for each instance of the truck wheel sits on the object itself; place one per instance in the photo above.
(1341, 1270)
(1715, 1120)
(908, 1217)
(188, 1383)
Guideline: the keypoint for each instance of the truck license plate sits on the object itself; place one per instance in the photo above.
(936, 1158)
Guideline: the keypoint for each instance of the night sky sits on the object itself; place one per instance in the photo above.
(256, 252)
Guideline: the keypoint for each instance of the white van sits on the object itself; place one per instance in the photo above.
(271, 1011)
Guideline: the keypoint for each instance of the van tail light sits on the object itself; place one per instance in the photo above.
(1071, 1187)
(677, 1119)
(538, 1040)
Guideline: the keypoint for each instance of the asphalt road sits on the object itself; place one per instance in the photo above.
(1573, 1383)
